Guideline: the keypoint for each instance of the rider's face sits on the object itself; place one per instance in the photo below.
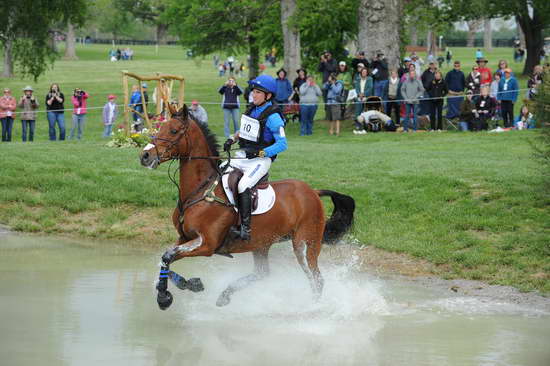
(258, 97)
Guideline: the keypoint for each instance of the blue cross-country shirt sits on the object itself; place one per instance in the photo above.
(274, 130)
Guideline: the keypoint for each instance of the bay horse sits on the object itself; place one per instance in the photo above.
(204, 215)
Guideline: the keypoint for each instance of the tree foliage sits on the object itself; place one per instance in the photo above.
(154, 12)
(26, 25)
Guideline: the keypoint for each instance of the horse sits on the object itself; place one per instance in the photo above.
(204, 215)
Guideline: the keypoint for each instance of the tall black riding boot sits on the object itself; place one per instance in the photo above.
(245, 211)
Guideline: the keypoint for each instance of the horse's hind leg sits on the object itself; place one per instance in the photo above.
(261, 270)
(307, 249)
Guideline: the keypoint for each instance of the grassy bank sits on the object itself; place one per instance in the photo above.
(469, 203)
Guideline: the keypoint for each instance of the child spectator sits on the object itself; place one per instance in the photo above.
(28, 115)
(79, 100)
(524, 119)
(7, 114)
(110, 113)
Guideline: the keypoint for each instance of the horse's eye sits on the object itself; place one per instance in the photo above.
(174, 132)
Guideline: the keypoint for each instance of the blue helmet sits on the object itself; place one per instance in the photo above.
(264, 83)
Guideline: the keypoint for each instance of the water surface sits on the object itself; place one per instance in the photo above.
(69, 302)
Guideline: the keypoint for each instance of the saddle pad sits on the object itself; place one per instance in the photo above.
(266, 197)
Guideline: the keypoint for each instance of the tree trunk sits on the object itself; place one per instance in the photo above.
(473, 26)
(379, 25)
(70, 49)
(414, 35)
(533, 39)
(162, 30)
(488, 35)
(254, 60)
(521, 35)
(8, 60)
(431, 43)
(291, 37)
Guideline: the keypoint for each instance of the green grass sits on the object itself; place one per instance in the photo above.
(470, 203)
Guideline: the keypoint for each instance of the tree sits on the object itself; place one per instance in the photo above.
(487, 35)
(154, 12)
(207, 26)
(379, 28)
(26, 37)
(291, 36)
(70, 49)
(473, 27)
(533, 17)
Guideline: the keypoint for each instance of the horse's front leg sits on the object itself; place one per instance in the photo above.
(192, 248)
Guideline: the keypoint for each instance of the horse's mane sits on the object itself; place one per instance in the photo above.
(210, 137)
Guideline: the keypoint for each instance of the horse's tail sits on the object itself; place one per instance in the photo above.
(342, 217)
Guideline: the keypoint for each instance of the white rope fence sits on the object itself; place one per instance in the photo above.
(335, 103)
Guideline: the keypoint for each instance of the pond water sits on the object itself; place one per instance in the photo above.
(69, 302)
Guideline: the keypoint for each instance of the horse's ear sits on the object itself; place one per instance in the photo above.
(184, 112)
(172, 109)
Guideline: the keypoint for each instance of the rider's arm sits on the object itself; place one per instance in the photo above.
(275, 124)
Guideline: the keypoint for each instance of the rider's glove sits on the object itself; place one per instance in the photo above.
(255, 154)
(227, 145)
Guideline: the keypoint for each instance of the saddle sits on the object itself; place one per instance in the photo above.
(263, 195)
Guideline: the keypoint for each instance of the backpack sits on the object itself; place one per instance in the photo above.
(342, 97)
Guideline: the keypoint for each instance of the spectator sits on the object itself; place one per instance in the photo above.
(110, 113)
(456, 82)
(479, 54)
(484, 109)
(358, 74)
(137, 106)
(405, 76)
(298, 82)
(393, 107)
(524, 119)
(334, 91)
(467, 108)
(403, 70)
(221, 70)
(344, 76)
(118, 54)
(363, 89)
(284, 89)
(327, 66)
(309, 97)
(430, 58)
(56, 112)
(448, 56)
(379, 74)
(359, 59)
(368, 117)
(494, 94)
(437, 90)
(198, 113)
(411, 90)
(7, 114)
(79, 100)
(112, 55)
(29, 104)
(440, 61)
(230, 105)
(417, 61)
(473, 81)
(427, 77)
(484, 71)
(534, 81)
(502, 65)
(507, 94)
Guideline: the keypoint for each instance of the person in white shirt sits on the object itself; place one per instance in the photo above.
(110, 113)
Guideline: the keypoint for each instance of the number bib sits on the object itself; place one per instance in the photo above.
(250, 128)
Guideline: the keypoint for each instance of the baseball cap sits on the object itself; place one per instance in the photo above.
(111, 96)
(342, 63)
(195, 102)
(407, 59)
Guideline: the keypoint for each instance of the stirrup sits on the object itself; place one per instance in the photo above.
(237, 232)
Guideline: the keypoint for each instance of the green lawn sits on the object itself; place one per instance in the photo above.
(470, 203)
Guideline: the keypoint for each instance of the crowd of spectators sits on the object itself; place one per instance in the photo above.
(366, 91)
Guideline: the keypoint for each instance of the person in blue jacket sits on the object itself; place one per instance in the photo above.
(284, 88)
(508, 90)
(261, 137)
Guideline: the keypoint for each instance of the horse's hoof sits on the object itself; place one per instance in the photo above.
(223, 300)
(164, 300)
(195, 284)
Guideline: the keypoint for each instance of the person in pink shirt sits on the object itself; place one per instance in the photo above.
(79, 100)
(7, 114)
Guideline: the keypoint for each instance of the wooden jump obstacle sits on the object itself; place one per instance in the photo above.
(164, 85)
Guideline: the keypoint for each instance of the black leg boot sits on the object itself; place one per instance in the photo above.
(245, 211)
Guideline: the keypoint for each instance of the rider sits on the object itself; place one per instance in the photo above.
(261, 137)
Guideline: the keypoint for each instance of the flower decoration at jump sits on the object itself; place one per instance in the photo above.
(136, 139)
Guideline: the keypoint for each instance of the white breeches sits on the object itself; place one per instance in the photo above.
(253, 169)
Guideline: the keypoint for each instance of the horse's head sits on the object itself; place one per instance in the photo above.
(169, 143)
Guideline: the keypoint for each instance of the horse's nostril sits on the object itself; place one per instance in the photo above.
(145, 155)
